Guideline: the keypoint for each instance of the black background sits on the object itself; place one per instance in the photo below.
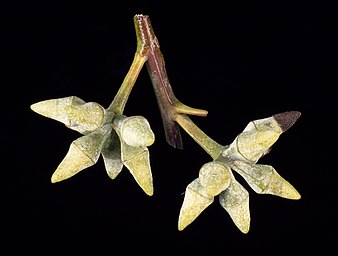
(240, 62)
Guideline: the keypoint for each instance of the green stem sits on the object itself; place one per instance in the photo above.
(209, 145)
(140, 57)
(123, 93)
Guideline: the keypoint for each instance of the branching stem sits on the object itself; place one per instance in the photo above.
(140, 57)
(173, 112)
(168, 104)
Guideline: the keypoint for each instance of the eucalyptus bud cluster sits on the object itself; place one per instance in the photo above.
(216, 178)
(123, 141)
(120, 140)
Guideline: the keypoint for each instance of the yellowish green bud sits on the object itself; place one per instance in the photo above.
(215, 177)
(136, 159)
(257, 138)
(136, 131)
(83, 153)
(264, 179)
(111, 153)
(235, 200)
(196, 200)
(72, 111)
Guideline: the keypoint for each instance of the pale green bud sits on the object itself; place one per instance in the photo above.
(72, 111)
(136, 159)
(235, 200)
(257, 138)
(83, 153)
(264, 179)
(215, 177)
(111, 153)
(135, 131)
(196, 200)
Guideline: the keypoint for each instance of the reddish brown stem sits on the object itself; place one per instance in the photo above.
(168, 104)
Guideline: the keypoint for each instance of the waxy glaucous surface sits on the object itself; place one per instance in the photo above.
(216, 177)
(122, 141)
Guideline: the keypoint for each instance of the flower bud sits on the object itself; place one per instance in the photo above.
(75, 113)
(235, 200)
(111, 154)
(257, 138)
(136, 131)
(264, 179)
(215, 177)
(83, 153)
(136, 159)
(196, 200)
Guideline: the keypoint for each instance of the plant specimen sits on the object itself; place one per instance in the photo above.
(123, 141)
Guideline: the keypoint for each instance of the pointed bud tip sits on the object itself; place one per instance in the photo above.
(148, 189)
(149, 192)
(287, 119)
(55, 179)
(180, 227)
(298, 197)
(34, 107)
(182, 223)
(244, 229)
(42, 108)
(294, 195)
